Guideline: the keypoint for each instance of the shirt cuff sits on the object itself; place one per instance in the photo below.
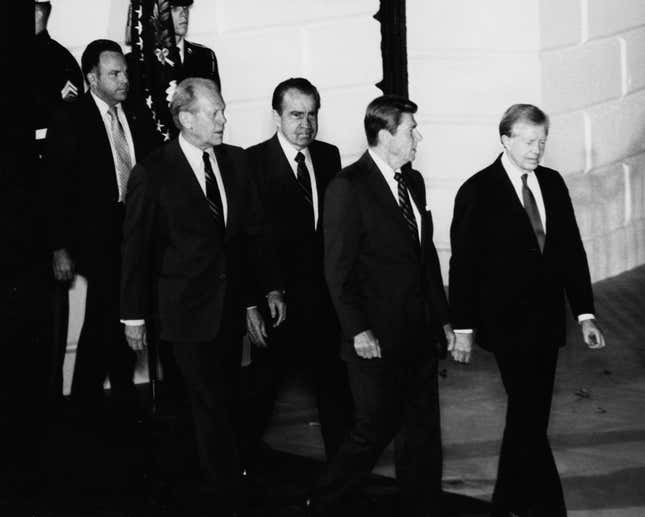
(586, 316)
(251, 307)
(133, 323)
(463, 331)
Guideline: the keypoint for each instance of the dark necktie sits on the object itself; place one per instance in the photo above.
(212, 191)
(406, 206)
(302, 174)
(532, 210)
(123, 162)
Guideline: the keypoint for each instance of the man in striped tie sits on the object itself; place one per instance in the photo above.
(383, 274)
(91, 146)
(195, 237)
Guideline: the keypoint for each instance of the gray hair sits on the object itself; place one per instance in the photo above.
(186, 96)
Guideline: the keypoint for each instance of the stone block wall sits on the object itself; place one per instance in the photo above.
(582, 61)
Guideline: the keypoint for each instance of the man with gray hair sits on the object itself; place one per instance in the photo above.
(193, 226)
(516, 253)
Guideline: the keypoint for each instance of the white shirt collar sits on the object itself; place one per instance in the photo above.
(193, 153)
(513, 169)
(102, 105)
(290, 151)
(383, 166)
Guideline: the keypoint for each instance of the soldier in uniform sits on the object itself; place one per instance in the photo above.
(194, 60)
(59, 76)
(58, 80)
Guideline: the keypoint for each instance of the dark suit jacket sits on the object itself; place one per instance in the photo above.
(199, 61)
(299, 245)
(80, 178)
(500, 283)
(173, 250)
(378, 276)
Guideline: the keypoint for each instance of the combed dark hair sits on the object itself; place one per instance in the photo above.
(185, 96)
(296, 83)
(92, 53)
(522, 113)
(385, 113)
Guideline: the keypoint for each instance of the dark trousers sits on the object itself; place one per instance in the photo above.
(211, 372)
(301, 346)
(102, 350)
(527, 476)
(25, 319)
(393, 400)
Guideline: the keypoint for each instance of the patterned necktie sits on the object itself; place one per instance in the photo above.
(123, 163)
(406, 206)
(212, 191)
(532, 211)
(302, 174)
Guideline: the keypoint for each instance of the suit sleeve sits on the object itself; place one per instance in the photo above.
(136, 249)
(262, 260)
(60, 180)
(342, 235)
(577, 278)
(436, 291)
(464, 270)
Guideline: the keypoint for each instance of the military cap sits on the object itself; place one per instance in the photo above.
(181, 3)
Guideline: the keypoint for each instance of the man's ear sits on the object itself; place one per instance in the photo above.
(186, 119)
(505, 140)
(384, 136)
(91, 78)
(277, 118)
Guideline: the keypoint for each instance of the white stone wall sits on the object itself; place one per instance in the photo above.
(334, 43)
(582, 61)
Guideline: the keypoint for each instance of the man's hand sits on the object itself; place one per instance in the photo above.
(462, 347)
(256, 327)
(366, 345)
(450, 336)
(277, 307)
(591, 334)
(135, 335)
(63, 265)
(69, 92)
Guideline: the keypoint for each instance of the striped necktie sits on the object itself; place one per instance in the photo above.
(406, 206)
(212, 192)
(123, 163)
(302, 174)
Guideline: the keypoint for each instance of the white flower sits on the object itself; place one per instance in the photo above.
(170, 91)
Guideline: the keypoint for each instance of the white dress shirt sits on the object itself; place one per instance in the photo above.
(103, 109)
(290, 152)
(194, 156)
(182, 48)
(388, 173)
(515, 175)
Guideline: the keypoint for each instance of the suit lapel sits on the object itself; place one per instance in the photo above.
(186, 177)
(319, 167)
(381, 191)
(508, 196)
(419, 199)
(227, 172)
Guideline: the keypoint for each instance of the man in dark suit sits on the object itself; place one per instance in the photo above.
(194, 60)
(383, 274)
(516, 253)
(58, 79)
(193, 229)
(91, 147)
(292, 170)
